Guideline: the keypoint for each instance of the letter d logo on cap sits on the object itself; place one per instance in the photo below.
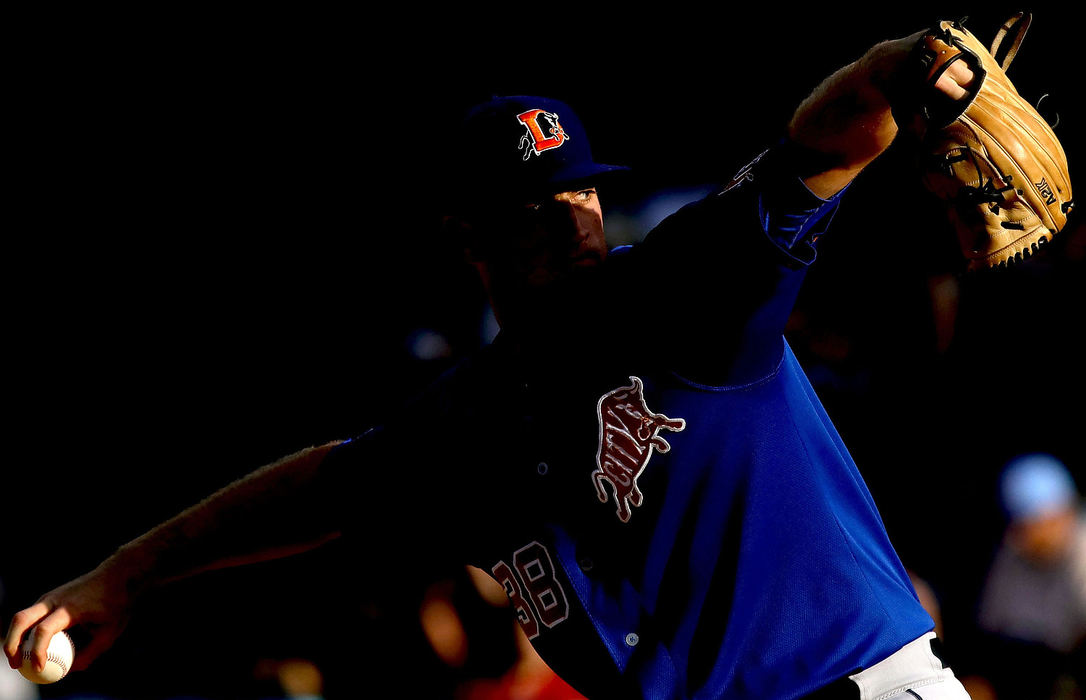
(536, 141)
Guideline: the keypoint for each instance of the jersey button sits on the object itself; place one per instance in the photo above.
(632, 639)
(542, 468)
(586, 564)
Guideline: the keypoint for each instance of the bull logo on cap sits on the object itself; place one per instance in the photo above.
(539, 139)
(629, 432)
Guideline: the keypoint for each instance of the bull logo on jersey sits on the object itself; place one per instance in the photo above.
(544, 132)
(629, 433)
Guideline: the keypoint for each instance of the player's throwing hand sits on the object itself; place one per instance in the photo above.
(98, 602)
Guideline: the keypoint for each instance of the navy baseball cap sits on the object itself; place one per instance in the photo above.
(523, 145)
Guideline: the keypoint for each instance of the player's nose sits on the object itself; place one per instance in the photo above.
(574, 221)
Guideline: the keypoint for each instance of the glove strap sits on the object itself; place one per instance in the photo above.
(1020, 24)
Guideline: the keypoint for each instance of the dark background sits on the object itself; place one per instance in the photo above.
(226, 232)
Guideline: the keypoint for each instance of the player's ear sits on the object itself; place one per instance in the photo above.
(462, 234)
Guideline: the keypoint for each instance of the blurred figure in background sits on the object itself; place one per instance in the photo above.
(1033, 604)
(288, 679)
(466, 620)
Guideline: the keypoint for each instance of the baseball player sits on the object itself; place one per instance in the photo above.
(638, 459)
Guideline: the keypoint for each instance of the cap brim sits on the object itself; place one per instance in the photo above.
(586, 171)
(578, 176)
(574, 177)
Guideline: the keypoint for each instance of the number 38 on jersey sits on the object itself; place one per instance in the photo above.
(533, 589)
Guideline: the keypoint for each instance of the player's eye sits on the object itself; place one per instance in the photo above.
(585, 195)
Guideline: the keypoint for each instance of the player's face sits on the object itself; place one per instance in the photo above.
(548, 238)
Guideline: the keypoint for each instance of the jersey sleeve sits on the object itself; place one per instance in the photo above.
(729, 268)
(789, 214)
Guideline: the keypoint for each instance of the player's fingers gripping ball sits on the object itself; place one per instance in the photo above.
(990, 155)
(60, 655)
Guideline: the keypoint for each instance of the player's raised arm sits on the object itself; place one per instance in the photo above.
(242, 523)
(846, 122)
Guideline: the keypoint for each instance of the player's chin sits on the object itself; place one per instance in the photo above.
(559, 271)
(586, 260)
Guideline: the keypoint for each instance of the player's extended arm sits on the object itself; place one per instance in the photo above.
(845, 123)
(275, 511)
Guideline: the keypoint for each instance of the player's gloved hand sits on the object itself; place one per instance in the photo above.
(886, 61)
(987, 153)
(98, 603)
(847, 120)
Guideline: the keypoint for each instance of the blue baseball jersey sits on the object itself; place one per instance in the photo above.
(649, 474)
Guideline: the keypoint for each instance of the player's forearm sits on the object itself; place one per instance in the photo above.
(845, 123)
(274, 511)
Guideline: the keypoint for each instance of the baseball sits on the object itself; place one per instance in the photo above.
(61, 653)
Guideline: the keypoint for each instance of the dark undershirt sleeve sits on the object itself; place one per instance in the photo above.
(392, 494)
(419, 483)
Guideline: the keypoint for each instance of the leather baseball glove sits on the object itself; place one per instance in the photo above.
(990, 156)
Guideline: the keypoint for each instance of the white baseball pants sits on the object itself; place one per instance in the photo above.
(913, 672)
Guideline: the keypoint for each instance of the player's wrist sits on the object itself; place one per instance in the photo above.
(132, 570)
(884, 62)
